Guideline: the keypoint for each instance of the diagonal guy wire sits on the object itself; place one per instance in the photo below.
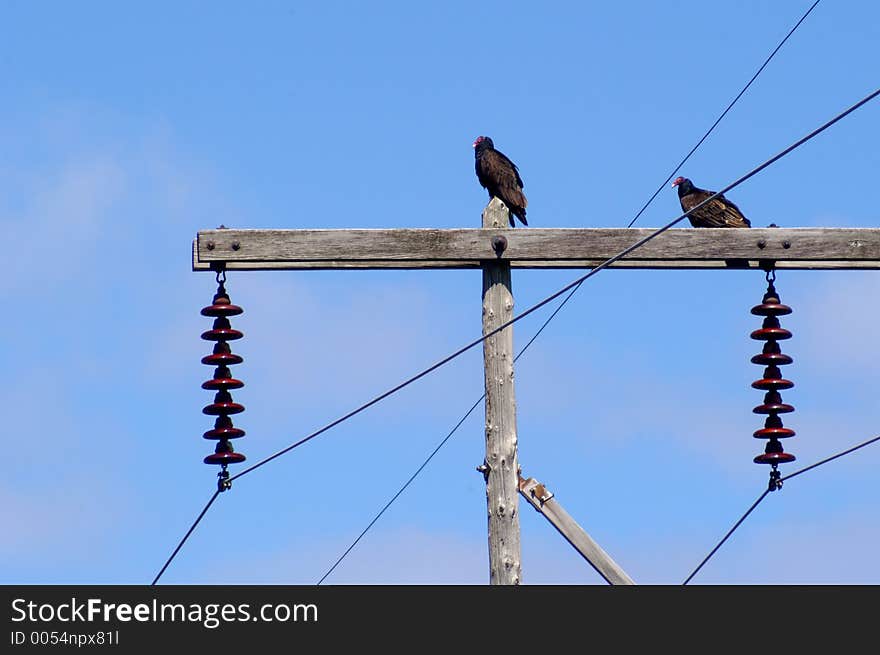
(623, 253)
(730, 532)
(186, 536)
(782, 479)
(440, 445)
(533, 308)
(723, 114)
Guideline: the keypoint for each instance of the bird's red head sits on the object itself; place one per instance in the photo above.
(482, 139)
(678, 180)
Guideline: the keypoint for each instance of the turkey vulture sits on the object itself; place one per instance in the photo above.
(500, 177)
(719, 212)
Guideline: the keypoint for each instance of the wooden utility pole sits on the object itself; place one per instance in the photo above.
(537, 247)
(500, 467)
(496, 248)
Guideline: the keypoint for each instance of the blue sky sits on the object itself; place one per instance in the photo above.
(129, 127)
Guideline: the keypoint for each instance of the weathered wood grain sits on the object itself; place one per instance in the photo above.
(502, 468)
(544, 502)
(807, 248)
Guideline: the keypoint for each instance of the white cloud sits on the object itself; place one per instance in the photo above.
(839, 322)
(57, 230)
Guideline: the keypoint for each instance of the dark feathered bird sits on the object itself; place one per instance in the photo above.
(500, 177)
(719, 212)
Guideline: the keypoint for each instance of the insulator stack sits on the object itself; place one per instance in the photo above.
(772, 357)
(222, 358)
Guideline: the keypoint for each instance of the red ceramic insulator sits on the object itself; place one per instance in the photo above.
(224, 458)
(222, 355)
(773, 429)
(218, 384)
(770, 330)
(770, 305)
(221, 307)
(773, 433)
(223, 433)
(226, 334)
(773, 408)
(223, 405)
(222, 310)
(223, 429)
(774, 454)
(774, 458)
(224, 454)
(216, 409)
(766, 334)
(217, 359)
(771, 355)
(222, 331)
(222, 380)
(772, 380)
(772, 358)
(773, 405)
(772, 384)
(771, 309)
(768, 359)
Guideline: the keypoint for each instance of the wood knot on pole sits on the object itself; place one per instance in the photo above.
(502, 493)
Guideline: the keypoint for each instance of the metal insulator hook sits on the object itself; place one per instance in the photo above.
(775, 479)
(223, 481)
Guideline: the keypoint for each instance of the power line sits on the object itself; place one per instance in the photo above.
(573, 285)
(441, 444)
(574, 290)
(766, 491)
(186, 536)
(576, 283)
(723, 114)
(730, 532)
(401, 490)
(833, 457)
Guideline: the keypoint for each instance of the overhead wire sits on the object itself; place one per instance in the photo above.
(576, 283)
(767, 491)
(185, 537)
(439, 446)
(729, 532)
(723, 113)
(400, 491)
(574, 289)
(833, 457)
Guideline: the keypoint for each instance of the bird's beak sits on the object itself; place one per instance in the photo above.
(675, 184)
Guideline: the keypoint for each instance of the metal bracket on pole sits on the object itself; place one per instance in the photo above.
(543, 501)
